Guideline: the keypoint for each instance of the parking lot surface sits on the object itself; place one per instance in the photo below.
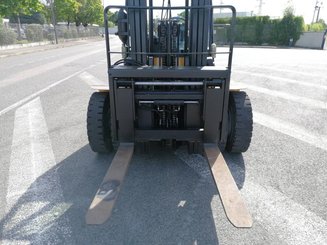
(49, 174)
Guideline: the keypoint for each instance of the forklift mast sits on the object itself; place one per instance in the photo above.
(166, 86)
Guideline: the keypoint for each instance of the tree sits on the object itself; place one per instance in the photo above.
(46, 12)
(318, 26)
(182, 15)
(290, 27)
(34, 18)
(66, 10)
(322, 21)
(113, 17)
(17, 8)
(90, 12)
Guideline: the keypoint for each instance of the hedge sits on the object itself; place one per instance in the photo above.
(7, 36)
(261, 29)
(34, 33)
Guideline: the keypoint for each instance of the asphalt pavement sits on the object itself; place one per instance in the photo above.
(49, 175)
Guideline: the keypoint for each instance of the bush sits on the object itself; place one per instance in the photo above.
(82, 33)
(289, 27)
(51, 36)
(94, 32)
(7, 36)
(74, 33)
(67, 34)
(22, 42)
(70, 33)
(316, 27)
(34, 33)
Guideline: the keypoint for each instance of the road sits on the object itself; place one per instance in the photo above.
(49, 174)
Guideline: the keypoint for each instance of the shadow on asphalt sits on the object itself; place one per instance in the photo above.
(236, 165)
(162, 201)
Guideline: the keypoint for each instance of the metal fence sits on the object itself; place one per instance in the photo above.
(27, 33)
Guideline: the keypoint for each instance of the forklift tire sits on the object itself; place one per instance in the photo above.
(99, 123)
(240, 122)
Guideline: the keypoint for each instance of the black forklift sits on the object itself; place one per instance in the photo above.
(166, 87)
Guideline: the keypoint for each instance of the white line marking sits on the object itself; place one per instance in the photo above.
(44, 68)
(285, 70)
(32, 96)
(284, 218)
(312, 67)
(291, 129)
(287, 80)
(91, 80)
(298, 99)
(35, 200)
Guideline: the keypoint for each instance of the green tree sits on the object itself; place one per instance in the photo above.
(290, 27)
(318, 26)
(35, 18)
(89, 12)
(46, 12)
(17, 8)
(182, 15)
(321, 21)
(113, 17)
(66, 10)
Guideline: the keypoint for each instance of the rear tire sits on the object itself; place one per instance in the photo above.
(99, 123)
(240, 122)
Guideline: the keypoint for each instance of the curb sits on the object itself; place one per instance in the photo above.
(24, 45)
(36, 47)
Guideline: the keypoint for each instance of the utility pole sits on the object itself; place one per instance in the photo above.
(317, 7)
(314, 12)
(53, 18)
(261, 3)
(318, 12)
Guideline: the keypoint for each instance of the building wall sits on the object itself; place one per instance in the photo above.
(316, 40)
(229, 15)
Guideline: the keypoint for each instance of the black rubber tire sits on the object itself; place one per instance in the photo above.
(99, 123)
(240, 122)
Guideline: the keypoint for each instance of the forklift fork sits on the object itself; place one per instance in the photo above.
(105, 198)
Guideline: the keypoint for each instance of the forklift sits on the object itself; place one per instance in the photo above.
(167, 88)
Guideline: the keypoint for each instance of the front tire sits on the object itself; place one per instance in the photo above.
(99, 123)
(240, 122)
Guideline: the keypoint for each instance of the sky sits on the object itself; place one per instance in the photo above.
(272, 8)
